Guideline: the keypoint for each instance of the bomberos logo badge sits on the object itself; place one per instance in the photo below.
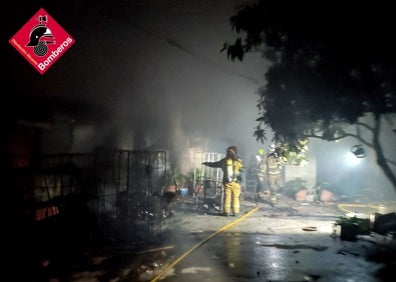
(42, 41)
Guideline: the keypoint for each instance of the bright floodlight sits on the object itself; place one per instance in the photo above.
(358, 151)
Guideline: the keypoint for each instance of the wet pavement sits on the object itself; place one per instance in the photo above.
(288, 241)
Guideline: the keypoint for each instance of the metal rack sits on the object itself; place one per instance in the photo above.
(210, 194)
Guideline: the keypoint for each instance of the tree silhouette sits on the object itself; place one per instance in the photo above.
(332, 73)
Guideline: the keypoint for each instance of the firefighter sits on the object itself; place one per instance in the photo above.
(232, 167)
(275, 180)
(261, 175)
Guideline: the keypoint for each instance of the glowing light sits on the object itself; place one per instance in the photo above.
(351, 160)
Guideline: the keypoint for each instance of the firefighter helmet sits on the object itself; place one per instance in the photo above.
(38, 32)
(261, 152)
(232, 150)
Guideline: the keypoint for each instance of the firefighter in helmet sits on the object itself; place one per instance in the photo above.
(232, 167)
(261, 175)
(274, 168)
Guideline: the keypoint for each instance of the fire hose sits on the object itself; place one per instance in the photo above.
(183, 256)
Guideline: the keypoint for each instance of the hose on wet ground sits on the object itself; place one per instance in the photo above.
(345, 207)
(183, 256)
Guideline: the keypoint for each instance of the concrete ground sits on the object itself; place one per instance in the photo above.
(288, 241)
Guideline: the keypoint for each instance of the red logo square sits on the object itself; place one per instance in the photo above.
(42, 41)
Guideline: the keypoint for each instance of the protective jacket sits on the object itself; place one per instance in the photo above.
(232, 167)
